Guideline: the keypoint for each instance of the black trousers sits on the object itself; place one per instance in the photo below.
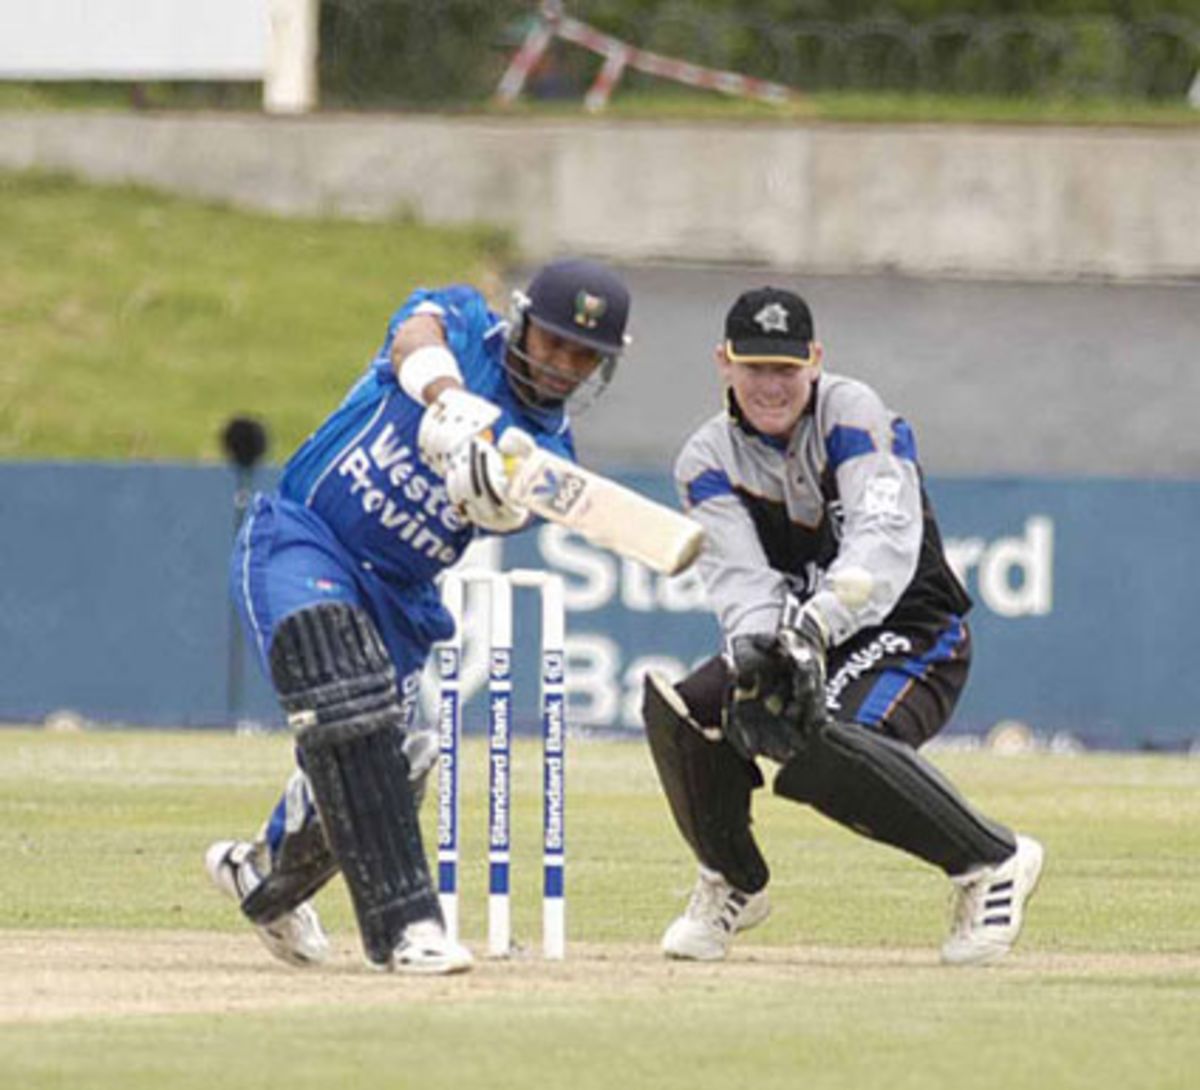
(902, 682)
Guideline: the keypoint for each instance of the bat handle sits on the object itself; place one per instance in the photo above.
(515, 446)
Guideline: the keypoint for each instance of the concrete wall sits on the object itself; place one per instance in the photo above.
(1029, 203)
(1094, 378)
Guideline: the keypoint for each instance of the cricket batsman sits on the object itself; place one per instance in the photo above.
(846, 643)
(333, 575)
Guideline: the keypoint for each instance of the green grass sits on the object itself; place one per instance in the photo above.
(994, 109)
(915, 1033)
(135, 324)
(118, 95)
(892, 107)
(840, 989)
(661, 101)
(133, 806)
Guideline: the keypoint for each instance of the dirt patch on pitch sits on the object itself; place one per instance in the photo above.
(50, 976)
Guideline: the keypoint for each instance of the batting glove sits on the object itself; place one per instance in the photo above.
(477, 484)
(450, 423)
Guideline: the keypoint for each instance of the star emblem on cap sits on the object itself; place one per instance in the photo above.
(773, 318)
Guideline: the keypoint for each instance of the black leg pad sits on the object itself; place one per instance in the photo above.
(366, 804)
(336, 682)
(708, 788)
(884, 789)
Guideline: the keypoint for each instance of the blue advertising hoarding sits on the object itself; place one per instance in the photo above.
(1084, 599)
(113, 605)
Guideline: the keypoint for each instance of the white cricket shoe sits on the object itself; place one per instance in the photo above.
(296, 937)
(989, 906)
(426, 949)
(715, 913)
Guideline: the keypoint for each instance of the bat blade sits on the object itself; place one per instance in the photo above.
(605, 513)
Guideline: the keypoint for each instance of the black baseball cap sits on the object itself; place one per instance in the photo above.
(769, 325)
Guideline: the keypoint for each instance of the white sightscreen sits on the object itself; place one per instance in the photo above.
(133, 39)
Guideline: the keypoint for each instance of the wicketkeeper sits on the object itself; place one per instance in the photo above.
(846, 643)
(333, 575)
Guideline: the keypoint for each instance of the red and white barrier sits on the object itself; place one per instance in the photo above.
(619, 55)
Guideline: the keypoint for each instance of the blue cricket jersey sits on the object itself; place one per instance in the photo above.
(360, 472)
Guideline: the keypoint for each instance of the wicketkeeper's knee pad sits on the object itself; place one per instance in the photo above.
(338, 686)
(708, 788)
(884, 789)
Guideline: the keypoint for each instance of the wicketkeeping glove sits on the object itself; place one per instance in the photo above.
(803, 637)
(778, 694)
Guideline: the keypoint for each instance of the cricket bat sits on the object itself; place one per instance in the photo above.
(604, 512)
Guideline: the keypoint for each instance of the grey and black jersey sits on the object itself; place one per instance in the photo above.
(844, 492)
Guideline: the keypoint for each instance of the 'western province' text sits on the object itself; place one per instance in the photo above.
(383, 476)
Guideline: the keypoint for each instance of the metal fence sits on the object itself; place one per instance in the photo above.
(387, 53)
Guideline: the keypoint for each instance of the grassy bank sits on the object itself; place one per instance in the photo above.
(136, 323)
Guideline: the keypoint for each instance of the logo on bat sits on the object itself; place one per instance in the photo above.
(560, 491)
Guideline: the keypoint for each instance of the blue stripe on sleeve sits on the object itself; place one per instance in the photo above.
(904, 443)
(845, 442)
(708, 485)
